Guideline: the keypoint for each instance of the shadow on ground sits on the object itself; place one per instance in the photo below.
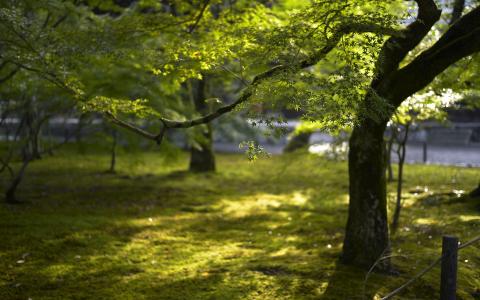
(269, 230)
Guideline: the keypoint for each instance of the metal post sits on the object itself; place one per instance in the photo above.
(448, 284)
(424, 152)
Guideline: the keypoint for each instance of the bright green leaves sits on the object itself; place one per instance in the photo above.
(253, 150)
(113, 54)
(426, 106)
(332, 91)
(138, 107)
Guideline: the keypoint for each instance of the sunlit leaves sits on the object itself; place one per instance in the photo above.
(426, 106)
(137, 107)
(253, 150)
(151, 51)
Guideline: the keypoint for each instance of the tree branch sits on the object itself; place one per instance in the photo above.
(9, 75)
(3, 64)
(199, 17)
(461, 40)
(132, 127)
(331, 43)
(396, 48)
(310, 61)
(458, 7)
(248, 91)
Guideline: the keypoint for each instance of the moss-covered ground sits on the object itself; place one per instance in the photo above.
(271, 229)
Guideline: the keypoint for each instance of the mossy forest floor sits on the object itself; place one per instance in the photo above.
(271, 229)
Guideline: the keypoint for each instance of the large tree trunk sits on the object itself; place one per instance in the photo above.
(366, 239)
(202, 158)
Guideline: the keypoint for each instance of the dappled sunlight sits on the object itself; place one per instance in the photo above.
(288, 251)
(298, 199)
(426, 221)
(259, 203)
(342, 199)
(59, 270)
(240, 149)
(252, 204)
(470, 218)
(237, 234)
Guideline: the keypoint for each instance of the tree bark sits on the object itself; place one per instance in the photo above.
(366, 238)
(458, 7)
(202, 158)
(388, 155)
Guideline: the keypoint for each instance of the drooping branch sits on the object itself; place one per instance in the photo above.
(248, 91)
(131, 127)
(274, 71)
(313, 59)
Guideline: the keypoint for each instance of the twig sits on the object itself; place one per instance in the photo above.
(239, 77)
(199, 17)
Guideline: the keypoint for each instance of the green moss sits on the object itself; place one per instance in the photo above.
(271, 229)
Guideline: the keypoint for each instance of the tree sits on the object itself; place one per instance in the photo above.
(367, 228)
(412, 112)
(33, 103)
(282, 54)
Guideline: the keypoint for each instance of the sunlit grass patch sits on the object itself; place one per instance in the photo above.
(272, 229)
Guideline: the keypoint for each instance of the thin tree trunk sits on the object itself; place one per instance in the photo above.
(113, 158)
(30, 152)
(388, 154)
(202, 158)
(401, 152)
(366, 239)
(35, 142)
(33, 130)
(10, 194)
(79, 129)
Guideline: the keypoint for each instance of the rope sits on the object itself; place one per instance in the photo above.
(431, 266)
(469, 242)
